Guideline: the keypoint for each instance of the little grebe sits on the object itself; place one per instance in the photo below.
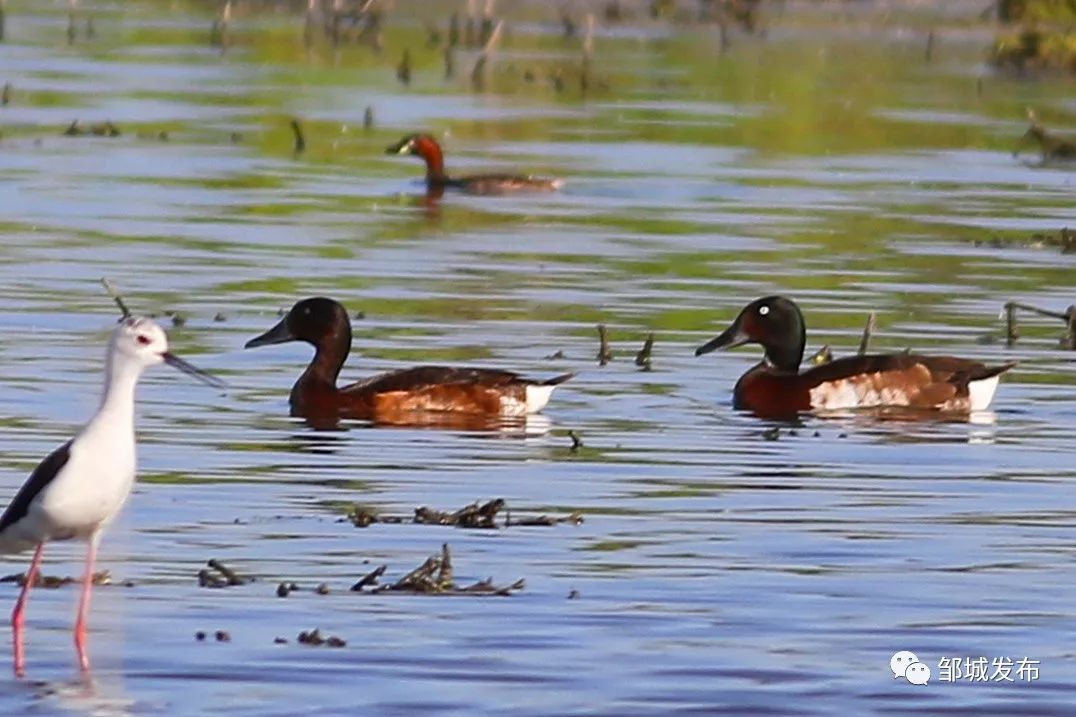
(425, 146)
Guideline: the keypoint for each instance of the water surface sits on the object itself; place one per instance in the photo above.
(717, 571)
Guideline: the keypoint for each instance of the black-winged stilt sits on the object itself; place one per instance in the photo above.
(80, 487)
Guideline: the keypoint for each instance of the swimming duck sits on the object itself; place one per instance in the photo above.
(425, 146)
(776, 388)
(394, 396)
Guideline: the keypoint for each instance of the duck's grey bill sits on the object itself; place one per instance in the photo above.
(730, 338)
(277, 335)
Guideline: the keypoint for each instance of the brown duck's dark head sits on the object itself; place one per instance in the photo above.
(775, 323)
(319, 321)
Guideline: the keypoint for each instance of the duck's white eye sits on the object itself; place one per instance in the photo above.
(763, 310)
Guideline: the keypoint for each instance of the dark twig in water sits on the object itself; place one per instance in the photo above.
(470, 31)
(370, 579)
(454, 30)
(487, 29)
(546, 521)
(450, 62)
(868, 331)
(300, 138)
(368, 118)
(403, 70)
(223, 577)
(444, 572)
(577, 442)
(111, 289)
(478, 72)
(219, 35)
(605, 354)
(1068, 340)
(433, 35)
(207, 579)
(308, 23)
(72, 32)
(229, 574)
(1012, 331)
(643, 357)
(567, 23)
(588, 54)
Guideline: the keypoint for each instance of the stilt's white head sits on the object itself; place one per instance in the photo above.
(142, 342)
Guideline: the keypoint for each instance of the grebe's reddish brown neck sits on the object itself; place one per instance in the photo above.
(425, 146)
(322, 323)
(776, 323)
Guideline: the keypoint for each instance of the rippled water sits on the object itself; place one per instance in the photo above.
(717, 571)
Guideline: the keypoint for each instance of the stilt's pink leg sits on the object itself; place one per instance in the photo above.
(18, 615)
(84, 602)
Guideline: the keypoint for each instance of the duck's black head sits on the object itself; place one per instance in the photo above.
(318, 321)
(775, 322)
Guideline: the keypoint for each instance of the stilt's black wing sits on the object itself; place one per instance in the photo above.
(41, 477)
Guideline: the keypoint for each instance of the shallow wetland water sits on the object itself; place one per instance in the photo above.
(718, 571)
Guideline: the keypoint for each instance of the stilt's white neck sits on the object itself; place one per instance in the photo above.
(117, 401)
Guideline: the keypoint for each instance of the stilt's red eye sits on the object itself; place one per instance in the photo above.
(143, 339)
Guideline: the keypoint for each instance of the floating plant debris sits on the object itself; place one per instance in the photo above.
(218, 575)
(101, 577)
(1064, 239)
(100, 129)
(315, 639)
(475, 515)
(433, 577)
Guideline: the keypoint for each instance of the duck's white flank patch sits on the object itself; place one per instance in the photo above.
(538, 397)
(981, 392)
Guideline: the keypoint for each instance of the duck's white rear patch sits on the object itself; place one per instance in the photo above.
(981, 392)
(538, 397)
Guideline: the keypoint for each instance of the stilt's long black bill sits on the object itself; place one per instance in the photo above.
(732, 337)
(277, 335)
(172, 360)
